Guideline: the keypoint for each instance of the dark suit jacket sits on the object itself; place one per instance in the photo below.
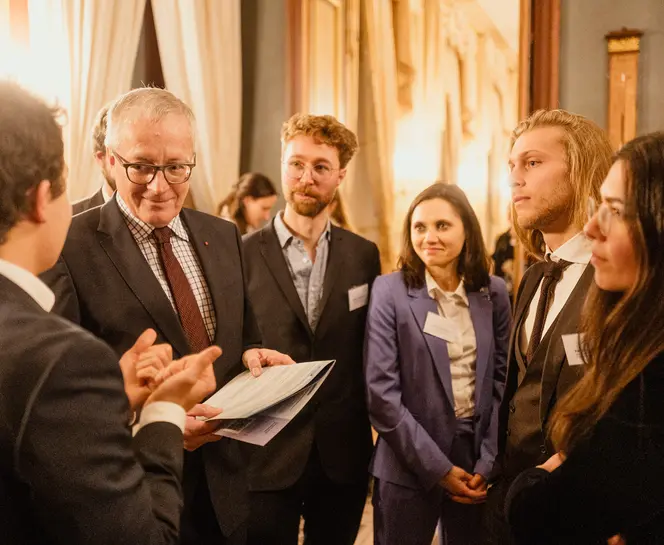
(409, 382)
(103, 282)
(335, 420)
(611, 483)
(558, 376)
(70, 471)
(89, 202)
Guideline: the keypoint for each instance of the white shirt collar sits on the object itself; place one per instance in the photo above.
(576, 250)
(435, 291)
(29, 283)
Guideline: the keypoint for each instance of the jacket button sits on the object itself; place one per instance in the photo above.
(543, 449)
(512, 408)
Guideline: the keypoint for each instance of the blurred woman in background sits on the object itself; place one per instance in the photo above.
(250, 202)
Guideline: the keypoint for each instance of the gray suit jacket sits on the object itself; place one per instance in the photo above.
(335, 421)
(70, 471)
(409, 382)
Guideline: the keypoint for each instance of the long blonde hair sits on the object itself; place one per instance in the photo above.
(588, 154)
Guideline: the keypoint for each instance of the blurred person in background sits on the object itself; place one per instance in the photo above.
(249, 203)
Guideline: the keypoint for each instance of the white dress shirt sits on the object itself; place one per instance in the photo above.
(577, 251)
(463, 354)
(159, 411)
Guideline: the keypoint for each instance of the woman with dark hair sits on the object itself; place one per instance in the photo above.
(608, 476)
(435, 355)
(249, 204)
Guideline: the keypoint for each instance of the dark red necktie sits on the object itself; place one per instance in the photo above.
(553, 272)
(185, 301)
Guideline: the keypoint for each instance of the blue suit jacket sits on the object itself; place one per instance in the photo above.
(409, 382)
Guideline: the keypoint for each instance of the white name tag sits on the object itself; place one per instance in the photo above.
(441, 327)
(358, 297)
(572, 349)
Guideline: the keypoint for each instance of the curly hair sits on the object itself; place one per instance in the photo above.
(31, 151)
(324, 129)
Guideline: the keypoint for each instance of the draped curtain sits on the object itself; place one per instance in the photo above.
(102, 40)
(201, 55)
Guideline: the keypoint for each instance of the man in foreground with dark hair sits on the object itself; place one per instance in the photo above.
(70, 470)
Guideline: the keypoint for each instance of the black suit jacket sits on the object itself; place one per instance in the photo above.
(103, 282)
(70, 471)
(335, 420)
(558, 376)
(89, 202)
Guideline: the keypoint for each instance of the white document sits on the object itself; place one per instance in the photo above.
(256, 409)
(572, 349)
(358, 297)
(441, 327)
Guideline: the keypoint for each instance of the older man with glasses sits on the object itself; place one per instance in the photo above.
(143, 261)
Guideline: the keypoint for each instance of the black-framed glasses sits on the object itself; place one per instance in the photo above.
(319, 173)
(605, 215)
(144, 173)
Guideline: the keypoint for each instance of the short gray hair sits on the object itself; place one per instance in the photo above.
(148, 103)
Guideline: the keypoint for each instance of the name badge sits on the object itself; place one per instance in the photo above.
(441, 327)
(358, 297)
(572, 349)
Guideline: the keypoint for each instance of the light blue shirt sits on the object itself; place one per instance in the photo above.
(308, 277)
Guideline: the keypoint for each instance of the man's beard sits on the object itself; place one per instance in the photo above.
(309, 209)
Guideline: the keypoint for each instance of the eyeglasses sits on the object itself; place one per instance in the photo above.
(319, 173)
(144, 173)
(605, 215)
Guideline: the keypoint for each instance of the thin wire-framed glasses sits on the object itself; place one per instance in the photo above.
(144, 173)
(319, 173)
(605, 215)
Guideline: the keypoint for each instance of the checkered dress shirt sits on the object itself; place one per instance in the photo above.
(186, 256)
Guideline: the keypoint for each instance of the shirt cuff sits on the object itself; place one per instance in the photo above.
(162, 411)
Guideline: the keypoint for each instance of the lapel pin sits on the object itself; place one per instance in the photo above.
(206, 242)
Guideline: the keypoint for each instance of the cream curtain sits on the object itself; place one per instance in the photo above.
(200, 46)
(369, 194)
(102, 45)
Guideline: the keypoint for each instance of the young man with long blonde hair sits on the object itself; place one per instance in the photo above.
(557, 161)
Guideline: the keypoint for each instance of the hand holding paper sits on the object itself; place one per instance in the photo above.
(255, 359)
(256, 409)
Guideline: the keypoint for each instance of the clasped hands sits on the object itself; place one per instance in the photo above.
(150, 374)
(462, 487)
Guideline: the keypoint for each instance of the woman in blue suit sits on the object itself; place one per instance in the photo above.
(435, 361)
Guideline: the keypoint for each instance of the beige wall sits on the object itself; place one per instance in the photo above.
(584, 59)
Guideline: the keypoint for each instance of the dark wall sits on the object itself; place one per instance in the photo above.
(584, 58)
(264, 77)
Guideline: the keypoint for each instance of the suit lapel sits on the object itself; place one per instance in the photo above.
(213, 254)
(333, 270)
(421, 304)
(532, 282)
(334, 265)
(121, 248)
(276, 263)
(481, 314)
(551, 348)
